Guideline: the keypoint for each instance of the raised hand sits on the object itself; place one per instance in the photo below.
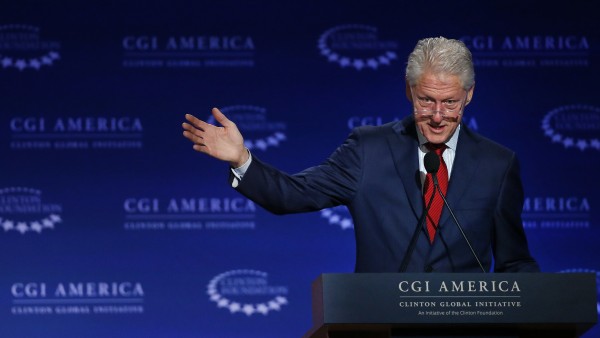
(224, 143)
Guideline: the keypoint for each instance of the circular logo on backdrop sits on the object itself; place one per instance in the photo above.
(21, 47)
(338, 216)
(574, 126)
(246, 291)
(357, 46)
(22, 210)
(580, 270)
(259, 132)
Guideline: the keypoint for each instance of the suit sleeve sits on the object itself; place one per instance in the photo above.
(334, 182)
(511, 252)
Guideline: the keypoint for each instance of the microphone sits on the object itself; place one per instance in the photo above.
(432, 164)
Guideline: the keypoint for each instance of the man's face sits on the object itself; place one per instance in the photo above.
(443, 97)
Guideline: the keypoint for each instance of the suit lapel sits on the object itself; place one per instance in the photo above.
(403, 147)
(465, 166)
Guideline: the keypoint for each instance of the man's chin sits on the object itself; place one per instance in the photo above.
(435, 138)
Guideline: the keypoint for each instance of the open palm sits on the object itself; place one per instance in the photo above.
(224, 143)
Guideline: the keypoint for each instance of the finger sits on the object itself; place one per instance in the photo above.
(197, 122)
(198, 139)
(190, 128)
(200, 148)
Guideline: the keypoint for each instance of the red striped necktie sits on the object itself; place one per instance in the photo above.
(435, 211)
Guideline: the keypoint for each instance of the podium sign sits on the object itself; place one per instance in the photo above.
(507, 304)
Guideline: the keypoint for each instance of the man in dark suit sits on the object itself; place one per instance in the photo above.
(379, 174)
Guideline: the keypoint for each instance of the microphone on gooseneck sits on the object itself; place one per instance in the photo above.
(432, 164)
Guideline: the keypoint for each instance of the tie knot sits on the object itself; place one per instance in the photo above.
(438, 148)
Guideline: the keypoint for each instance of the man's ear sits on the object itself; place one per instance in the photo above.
(408, 91)
(470, 94)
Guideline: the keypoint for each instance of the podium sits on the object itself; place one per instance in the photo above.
(382, 305)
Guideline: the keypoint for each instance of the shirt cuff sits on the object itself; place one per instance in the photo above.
(240, 171)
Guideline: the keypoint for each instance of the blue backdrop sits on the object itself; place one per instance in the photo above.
(111, 225)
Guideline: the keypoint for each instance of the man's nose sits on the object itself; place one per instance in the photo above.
(437, 115)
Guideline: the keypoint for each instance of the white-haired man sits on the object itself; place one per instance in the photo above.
(379, 174)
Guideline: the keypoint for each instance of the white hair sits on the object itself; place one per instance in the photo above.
(441, 55)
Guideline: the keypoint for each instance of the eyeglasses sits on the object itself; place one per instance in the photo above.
(425, 108)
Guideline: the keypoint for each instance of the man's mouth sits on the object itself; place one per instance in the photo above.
(437, 128)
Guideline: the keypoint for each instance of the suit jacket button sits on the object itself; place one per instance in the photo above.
(428, 268)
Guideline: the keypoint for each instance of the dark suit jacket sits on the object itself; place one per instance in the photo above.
(375, 173)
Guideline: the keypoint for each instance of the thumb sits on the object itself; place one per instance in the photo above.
(221, 118)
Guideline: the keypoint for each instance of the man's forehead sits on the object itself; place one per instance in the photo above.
(439, 78)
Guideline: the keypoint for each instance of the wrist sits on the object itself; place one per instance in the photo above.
(242, 159)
